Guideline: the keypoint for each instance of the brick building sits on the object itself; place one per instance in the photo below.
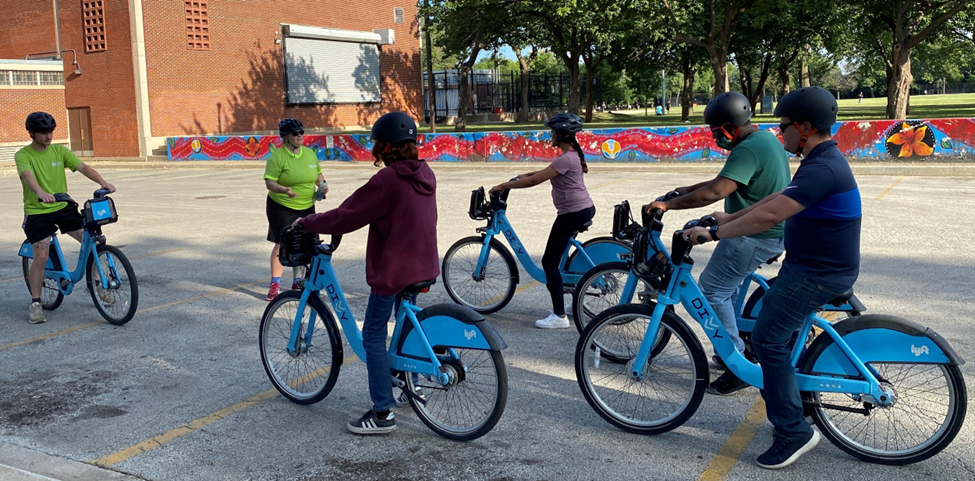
(138, 71)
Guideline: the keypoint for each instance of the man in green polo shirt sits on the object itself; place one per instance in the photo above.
(41, 168)
(756, 168)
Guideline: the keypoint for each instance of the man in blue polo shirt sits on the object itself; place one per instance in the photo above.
(821, 207)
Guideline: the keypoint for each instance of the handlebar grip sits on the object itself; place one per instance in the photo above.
(701, 239)
(707, 221)
(101, 193)
(335, 241)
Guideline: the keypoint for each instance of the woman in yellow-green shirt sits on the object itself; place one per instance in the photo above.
(292, 176)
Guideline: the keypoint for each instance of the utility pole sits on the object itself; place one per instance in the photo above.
(57, 29)
(431, 84)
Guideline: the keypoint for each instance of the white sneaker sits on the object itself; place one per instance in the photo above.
(553, 322)
(36, 313)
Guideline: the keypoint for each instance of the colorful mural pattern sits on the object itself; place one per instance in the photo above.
(910, 140)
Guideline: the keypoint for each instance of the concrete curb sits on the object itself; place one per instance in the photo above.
(955, 169)
(22, 464)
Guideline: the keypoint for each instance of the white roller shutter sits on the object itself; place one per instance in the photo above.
(331, 72)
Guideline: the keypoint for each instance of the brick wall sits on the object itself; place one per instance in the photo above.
(238, 86)
(18, 102)
(106, 85)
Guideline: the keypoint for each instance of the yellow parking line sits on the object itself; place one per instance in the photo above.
(727, 457)
(197, 424)
(49, 336)
(888, 189)
(11, 279)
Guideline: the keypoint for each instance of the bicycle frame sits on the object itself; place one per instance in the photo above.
(68, 278)
(499, 224)
(683, 289)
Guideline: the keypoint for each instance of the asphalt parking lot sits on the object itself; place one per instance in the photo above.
(179, 393)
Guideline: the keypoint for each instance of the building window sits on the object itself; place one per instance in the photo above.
(24, 78)
(197, 26)
(398, 15)
(94, 18)
(51, 78)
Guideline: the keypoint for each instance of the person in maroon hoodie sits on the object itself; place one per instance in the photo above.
(399, 204)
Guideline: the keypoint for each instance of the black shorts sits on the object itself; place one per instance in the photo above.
(41, 226)
(279, 217)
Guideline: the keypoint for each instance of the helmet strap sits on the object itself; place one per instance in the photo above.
(803, 137)
(732, 137)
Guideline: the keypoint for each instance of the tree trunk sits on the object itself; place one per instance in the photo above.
(462, 93)
(784, 75)
(756, 97)
(687, 89)
(899, 83)
(573, 67)
(804, 80)
(720, 67)
(523, 111)
(590, 80)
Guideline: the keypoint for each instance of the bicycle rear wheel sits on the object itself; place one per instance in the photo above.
(51, 296)
(674, 379)
(308, 374)
(931, 401)
(119, 302)
(492, 292)
(471, 404)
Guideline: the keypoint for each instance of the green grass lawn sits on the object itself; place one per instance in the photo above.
(922, 107)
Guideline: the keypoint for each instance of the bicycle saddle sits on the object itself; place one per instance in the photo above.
(585, 226)
(414, 289)
(842, 298)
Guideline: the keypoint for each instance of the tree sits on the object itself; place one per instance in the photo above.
(893, 30)
(720, 22)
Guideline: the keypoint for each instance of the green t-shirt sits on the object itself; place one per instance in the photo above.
(48, 168)
(760, 167)
(299, 172)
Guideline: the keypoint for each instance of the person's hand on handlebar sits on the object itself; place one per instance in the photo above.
(109, 187)
(695, 235)
(657, 204)
(497, 189)
(297, 223)
(721, 217)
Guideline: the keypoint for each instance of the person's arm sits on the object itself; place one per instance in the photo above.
(724, 218)
(366, 205)
(90, 172)
(274, 186)
(705, 193)
(532, 180)
(31, 183)
(759, 219)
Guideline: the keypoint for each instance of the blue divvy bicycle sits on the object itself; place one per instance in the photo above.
(610, 284)
(479, 272)
(110, 281)
(879, 387)
(446, 357)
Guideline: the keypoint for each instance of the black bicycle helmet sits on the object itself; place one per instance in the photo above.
(809, 104)
(289, 125)
(393, 128)
(40, 122)
(565, 123)
(728, 108)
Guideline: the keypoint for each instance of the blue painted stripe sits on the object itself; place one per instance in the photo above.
(845, 205)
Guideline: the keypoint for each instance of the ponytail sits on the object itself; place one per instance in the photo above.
(582, 157)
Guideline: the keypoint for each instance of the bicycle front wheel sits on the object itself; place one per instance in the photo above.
(308, 373)
(494, 289)
(51, 296)
(601, 288)
(471, 403)
(673, 381)
(930, 405)
(118, 302)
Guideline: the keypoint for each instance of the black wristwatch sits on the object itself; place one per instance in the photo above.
(713, 230)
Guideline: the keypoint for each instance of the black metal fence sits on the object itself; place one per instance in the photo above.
(491, 91)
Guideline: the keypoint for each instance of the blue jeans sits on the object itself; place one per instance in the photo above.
(732, 261)
(786, 305)
(375, 329)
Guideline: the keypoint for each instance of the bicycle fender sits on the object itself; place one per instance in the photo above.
(451, 325)
(26, 250)
(880, 338)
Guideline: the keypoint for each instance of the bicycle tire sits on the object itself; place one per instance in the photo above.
(113, 304)
(476, 373)
(859, 435)
(629, 403)
(488, 295)
(51, 295)
(618, 246)
(316, 366)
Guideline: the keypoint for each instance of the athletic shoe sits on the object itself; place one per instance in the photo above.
(370, 423)
(104, 294)
(726, 383)
(36, 313)
(553, 322)
(403, 399)
(720, 362)
(785, 451)
(273, 291)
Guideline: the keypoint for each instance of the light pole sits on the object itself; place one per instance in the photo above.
(57, 29)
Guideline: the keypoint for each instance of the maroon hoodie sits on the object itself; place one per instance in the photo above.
(399, 204)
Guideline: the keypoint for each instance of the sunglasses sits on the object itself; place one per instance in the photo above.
(297, 133)
(784, 125)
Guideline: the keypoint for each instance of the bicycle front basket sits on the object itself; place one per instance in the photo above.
(297, 247)
(100, 211)
(479, 210)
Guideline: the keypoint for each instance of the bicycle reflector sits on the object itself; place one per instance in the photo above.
(297, 247)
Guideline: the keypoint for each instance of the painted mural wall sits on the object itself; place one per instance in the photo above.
(934, 140)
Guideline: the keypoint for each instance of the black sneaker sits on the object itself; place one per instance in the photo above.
(371, 423)
(720, 362)
(785, 452)
(726, 384)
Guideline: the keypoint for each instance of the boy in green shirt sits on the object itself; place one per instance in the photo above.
(756, 168)
(41, 168)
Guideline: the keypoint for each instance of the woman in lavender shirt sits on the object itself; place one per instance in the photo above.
(572, 202)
